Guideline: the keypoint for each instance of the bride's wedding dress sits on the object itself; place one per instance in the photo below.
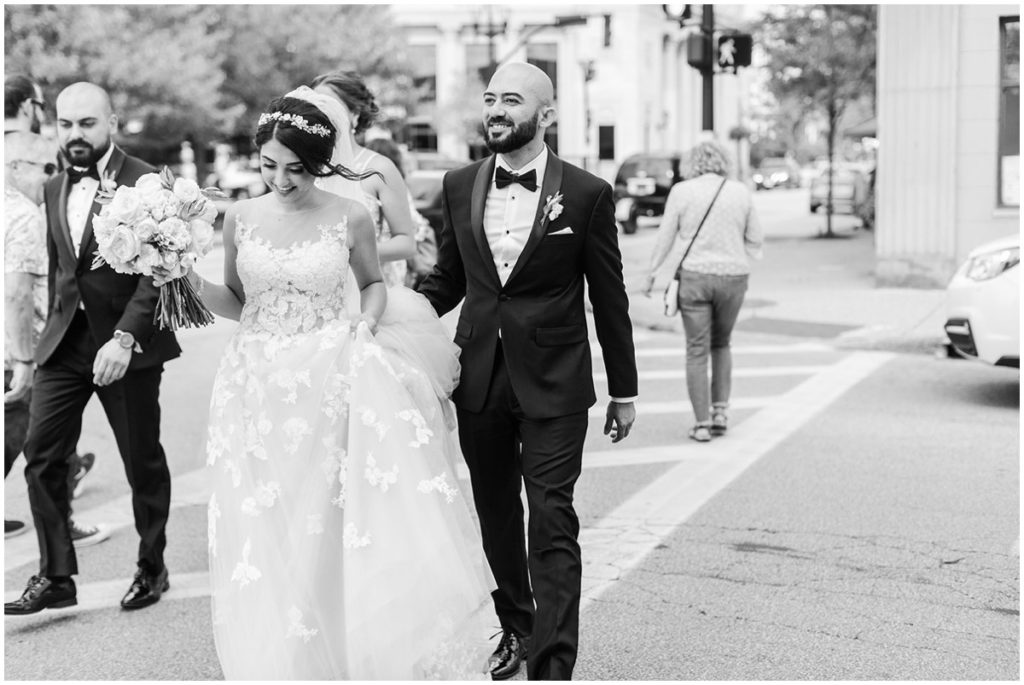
(341, 543)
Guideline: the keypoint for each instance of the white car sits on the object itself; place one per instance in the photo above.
(983, 304)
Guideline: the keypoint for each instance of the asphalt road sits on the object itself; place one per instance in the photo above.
(859, 521)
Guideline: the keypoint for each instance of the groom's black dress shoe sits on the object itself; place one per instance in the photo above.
(146, 589)
(43, 593)
(508, 657)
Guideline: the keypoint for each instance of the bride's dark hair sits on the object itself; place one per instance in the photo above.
(302, 128)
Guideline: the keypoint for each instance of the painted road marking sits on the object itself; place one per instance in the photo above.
(680, 349)
(765, 372)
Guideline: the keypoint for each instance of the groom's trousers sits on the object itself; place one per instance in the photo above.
(504, 449)
(61, 390)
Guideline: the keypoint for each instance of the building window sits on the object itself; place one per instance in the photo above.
(423, 60)
(606, 142)
(1009, 112)
(545, 57)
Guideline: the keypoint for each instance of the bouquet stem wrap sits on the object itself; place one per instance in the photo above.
(180, 306)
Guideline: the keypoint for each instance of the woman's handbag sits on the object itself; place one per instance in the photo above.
(672, 291)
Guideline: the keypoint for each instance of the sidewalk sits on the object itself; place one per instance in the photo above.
(811, 287)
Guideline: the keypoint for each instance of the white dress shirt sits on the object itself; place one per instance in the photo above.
(80, 199)
(509, 214)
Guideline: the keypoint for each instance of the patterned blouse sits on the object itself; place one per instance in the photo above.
(25, 252)
(731, 232)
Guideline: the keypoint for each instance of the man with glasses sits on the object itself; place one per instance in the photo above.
(29, 161)
(24, 108)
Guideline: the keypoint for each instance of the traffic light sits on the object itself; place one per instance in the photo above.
(734, 50)
(698, 51)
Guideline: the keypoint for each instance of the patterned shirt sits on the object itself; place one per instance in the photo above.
(25, 252)
(731, 232)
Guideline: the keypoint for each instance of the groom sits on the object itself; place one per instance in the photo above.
(523, 231)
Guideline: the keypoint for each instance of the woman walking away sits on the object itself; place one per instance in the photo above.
(707, 233)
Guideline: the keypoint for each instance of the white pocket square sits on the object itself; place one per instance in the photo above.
(564, 231)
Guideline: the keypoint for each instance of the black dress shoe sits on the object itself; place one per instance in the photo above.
(508, 657)
(146, 589)
(43, 593)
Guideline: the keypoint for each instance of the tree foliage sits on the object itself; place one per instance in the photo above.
(820, 59)
(201, 71)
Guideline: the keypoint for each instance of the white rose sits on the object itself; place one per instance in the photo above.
(123, 246)
(145, 228)
(149, 257)
(188, 260)
(149, 187)
(174, 234)
(202, 236)
(210, 212)
(187, 190)
(125, 207)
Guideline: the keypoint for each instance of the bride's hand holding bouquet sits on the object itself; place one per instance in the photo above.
(159, 227)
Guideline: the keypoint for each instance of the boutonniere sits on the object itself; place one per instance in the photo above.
(552, 208)
(107, 187)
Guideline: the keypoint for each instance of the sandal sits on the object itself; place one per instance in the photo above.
(719, 422)
(701, 433)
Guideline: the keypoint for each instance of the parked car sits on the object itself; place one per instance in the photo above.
(425, 186)
(983, 304)
(425, 161)
(776, 172)
(849, 190)
(641, 187)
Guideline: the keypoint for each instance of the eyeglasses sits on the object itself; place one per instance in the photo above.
(49, 168)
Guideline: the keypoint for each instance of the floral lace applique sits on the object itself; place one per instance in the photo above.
(378, 478)
(351, 538)
(315, 524)
(264, 496)
(439, 484)
(369, 418)
(296, 429)
(245, 572)
(296, 628)
(423, 434)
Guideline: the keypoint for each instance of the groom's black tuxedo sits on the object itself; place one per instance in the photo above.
(86, 307)
(527, 383)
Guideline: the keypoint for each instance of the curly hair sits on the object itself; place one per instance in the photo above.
(707, 157)
(351, 89)
(312, 149)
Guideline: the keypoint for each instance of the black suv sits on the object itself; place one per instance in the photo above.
(642, 185)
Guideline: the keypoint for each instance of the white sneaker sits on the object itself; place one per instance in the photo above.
(86, 535)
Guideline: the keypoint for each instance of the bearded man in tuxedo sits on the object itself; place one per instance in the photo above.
(523, 233)
(99, 338)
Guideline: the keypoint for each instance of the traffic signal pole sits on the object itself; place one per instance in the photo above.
(707, 27)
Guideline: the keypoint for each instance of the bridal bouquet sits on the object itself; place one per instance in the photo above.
(160, 222)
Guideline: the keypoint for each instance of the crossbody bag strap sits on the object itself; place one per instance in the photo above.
(700, 225)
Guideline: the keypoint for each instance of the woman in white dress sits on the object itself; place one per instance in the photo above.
(341, 545)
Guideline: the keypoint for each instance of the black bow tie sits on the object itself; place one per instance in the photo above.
(76, 174)
(503, 177)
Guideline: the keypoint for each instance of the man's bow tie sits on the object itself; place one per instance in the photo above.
(503, 177)
(76, 174)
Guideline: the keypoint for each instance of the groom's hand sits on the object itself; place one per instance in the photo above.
(619, 419)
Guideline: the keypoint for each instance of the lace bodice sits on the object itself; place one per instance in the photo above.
(298, 288)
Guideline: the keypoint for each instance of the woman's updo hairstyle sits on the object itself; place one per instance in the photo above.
(305, 130)
(348, 86)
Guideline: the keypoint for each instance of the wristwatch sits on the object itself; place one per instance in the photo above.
(127, 341)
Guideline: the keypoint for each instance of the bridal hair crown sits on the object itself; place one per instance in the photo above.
(297, 121)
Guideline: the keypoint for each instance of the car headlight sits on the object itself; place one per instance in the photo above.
(991, 264)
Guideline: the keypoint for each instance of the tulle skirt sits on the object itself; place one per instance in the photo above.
(341, 543)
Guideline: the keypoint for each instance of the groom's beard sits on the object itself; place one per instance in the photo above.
(517, 137)
(83, 158)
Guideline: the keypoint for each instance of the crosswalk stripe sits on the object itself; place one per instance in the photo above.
(679, 407)
(680, 350)
(621, 540)
(766, 372)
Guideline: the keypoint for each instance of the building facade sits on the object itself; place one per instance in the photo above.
(949, 132)
(622, 81)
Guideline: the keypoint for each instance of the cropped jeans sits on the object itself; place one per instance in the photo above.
(709, 305)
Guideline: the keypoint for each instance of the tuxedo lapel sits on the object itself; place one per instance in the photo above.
(62, 215)
(113, 170)
(478, 201)
(552, 182)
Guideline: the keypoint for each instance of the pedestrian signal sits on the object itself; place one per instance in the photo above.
(734, 51)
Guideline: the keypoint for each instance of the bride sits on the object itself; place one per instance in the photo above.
(341, 545)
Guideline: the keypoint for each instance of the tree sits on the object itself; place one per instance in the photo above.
(822, 56)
